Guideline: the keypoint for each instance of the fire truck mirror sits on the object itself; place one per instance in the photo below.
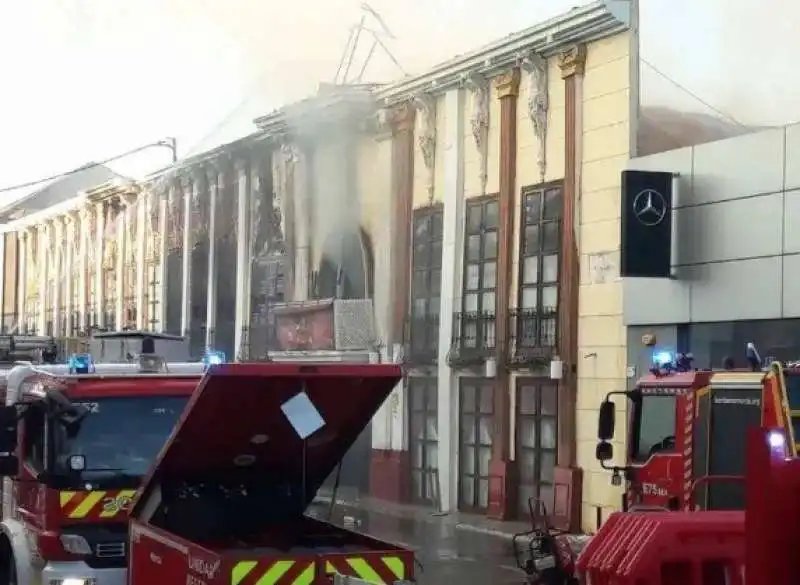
(606, 420)
(9, 465)
(604, 451)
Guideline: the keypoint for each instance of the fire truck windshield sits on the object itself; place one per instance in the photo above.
(653, 425)
(120, 436)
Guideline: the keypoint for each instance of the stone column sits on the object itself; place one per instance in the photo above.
(214, 179)
(143, 199)
(122, 229)
(568, 477)
(242, 261)
(501, 468)
(83, 252)
(23, 243)
(44, 260)
(69, 269)
(99, 280)
(186, 293)
(162, 258)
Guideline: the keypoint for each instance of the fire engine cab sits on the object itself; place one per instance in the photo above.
(76, 441)
(686, 433)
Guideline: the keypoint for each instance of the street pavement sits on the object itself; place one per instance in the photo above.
(448, 550)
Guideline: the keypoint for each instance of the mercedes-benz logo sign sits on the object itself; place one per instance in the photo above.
(649, 207)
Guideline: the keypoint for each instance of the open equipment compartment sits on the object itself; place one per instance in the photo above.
(225, 501)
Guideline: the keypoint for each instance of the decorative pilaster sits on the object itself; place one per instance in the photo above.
(501, 468)
(99, 256)
(568, 478)
(426, 138)
(163, 238)
(69, 272)
(538, 105)
(122, 250)
(242, 263)
(83, 267)
(186, 282)
(22, 281)
(143, 199)
(214, 180)
(44, 260)
(479, 123)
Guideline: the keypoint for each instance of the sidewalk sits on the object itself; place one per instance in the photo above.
(418, 513)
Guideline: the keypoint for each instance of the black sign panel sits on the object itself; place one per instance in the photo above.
(646, 242)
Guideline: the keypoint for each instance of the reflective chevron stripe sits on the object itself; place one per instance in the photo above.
(272, 573)
(380, 570)
(81, 505)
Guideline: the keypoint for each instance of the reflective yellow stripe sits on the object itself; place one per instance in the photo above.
(329, 568)
(241, 570)
(65, 497)
(363, 570)
(396, 566)
(123, 495)
(275, 572)
(83, 509)
(306, 577)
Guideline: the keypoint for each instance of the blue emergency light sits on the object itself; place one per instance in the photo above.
(213, 358)
(80, 363)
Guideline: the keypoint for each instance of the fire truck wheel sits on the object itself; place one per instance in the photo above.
(8, 568)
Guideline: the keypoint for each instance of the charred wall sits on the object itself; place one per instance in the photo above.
(198, 292)
(174, 262)
(226, 269)
(10, 281)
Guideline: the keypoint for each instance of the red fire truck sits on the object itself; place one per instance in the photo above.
(223, 504)
(756, 546)
(227, 507)
(75, 442)
(686, 434)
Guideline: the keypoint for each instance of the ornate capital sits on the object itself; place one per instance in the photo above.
(401, 117)
(538, 104)
(212, 174)
(186, 181)
(240, 164)
(426, 137)
(507, 84)
(572, 61)
(480, 87)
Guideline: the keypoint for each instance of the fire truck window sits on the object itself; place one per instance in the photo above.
(655, 425)
(34, 438)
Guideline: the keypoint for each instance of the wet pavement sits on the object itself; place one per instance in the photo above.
(448, 551)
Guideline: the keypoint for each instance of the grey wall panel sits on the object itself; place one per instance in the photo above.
(791, 286)
(746, 289)
(651, 301)
(730, 230)
(739, 167)
(792, 171)
(674, 161)
(641, 357)
(791, 221)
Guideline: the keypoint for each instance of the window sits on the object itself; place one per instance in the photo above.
(536, 442)
(426, 278)
(654, 426)
(424, 438)
(475, 448)
(480, 274)
(34, 444)
(539, 251)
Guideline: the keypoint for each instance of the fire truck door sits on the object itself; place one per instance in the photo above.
(732, 412)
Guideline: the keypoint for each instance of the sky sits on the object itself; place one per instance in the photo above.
(83, 80)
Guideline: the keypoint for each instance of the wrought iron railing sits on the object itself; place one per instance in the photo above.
(422, 339)
(533, 335)
(473, 337)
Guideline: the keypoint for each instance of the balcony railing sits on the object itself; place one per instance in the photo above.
(473, 337)
(534, 335)
(422, 340)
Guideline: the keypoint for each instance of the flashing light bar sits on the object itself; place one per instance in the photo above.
(80, 363)
(213, 358)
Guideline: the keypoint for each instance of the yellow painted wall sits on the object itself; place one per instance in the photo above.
(472, 159)
(420, 172)
(605, 149)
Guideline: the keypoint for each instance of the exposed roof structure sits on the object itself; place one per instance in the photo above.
(57, 191)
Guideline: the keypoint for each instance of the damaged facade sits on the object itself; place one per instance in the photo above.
(447, 221)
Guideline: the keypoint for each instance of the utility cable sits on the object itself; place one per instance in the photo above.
(685, 89)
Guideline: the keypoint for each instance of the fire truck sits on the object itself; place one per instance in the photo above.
(223, 503)
(76, 440)
(687, 429)
(753, 546)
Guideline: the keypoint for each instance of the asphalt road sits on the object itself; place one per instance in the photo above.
(446, 553)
